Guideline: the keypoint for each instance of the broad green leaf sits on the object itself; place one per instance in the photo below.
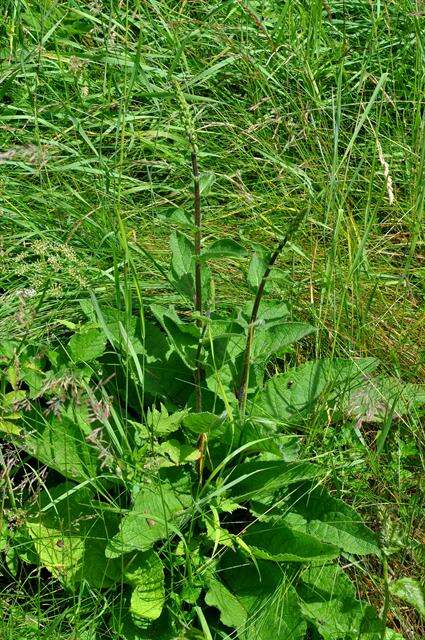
(146, 576)
(10, 428)
(177, 216)
(128, 627)
(70, 537)
(8, 414)
(278, 541)
(158, 508)
(272, 340)
(61, 444)
(165, 374)
(328, 600)
(162, 423)
(292, 395)
(232, 612)
(203, 422)
(270, 312)
(330, 520)
(411, 591)
(266, 437)
(264, 477)
(183, 269)
(224, 249)
(179, 453)
(87, 345)
(258, 601)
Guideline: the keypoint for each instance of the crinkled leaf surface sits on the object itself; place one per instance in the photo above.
(70, 537)
(292, 395)
(271, 340)
(158, 508)
(278, 541)
(146, 576)
(330, 520)
(87, 345)
(61, 444)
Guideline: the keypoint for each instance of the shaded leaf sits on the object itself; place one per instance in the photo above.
(259, 602)
(183, 337)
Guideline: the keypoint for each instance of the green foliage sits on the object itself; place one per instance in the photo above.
(150, 517)
(411, 591)
(140, 515)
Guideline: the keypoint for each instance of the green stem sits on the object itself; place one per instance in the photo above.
(243, 388)
(386, 604)
(198, 272)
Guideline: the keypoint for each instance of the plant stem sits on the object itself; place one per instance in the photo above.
(243, 388)
(386, 605)
(198, 269)
(189, 126)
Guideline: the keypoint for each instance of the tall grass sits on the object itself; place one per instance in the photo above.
(298, 106)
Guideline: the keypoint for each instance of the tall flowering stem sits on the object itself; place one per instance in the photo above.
(190, 130)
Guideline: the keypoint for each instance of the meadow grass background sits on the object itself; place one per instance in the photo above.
(299, 106)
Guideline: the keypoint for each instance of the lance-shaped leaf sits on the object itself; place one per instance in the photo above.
(183, 268)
